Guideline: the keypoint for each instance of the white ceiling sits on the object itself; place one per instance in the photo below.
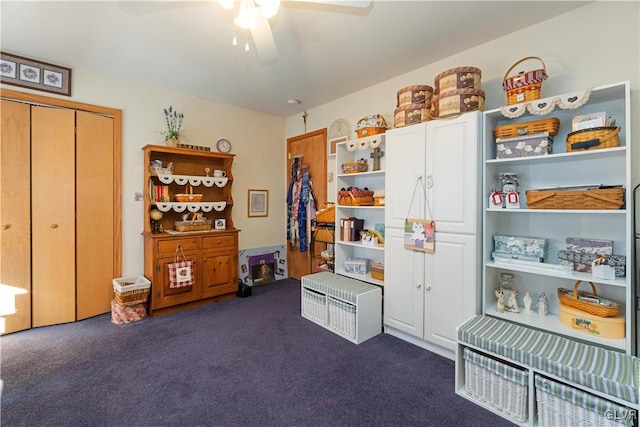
(325, 52)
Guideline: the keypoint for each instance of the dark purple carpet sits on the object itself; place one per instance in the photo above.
(244, 362)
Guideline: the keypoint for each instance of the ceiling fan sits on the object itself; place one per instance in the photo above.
(253, 15)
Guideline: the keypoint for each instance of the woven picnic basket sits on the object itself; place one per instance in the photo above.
(594, 138)
(355, 197)
(327, 213)
(599, 198)
(551, 125)
(526, 85)
(580, 300)
(354, 167)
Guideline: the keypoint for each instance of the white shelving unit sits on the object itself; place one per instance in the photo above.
(347, 152)
(609, 166)
(349, 308)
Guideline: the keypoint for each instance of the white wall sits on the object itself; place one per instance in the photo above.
(594, 45)
(591, 46)
(257, 139)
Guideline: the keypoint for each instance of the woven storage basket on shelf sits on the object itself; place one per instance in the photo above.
(580, 300)
(502, 386)
(526, 85)
(594, 138)
(355, 197)
(606, 198)
(551, 125)
(327, 213)
(354, 167)
(563, 405)
(197, 223)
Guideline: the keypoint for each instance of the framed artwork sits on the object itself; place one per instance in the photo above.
(419, 234)
(220, 224)
(331, 144)
(29, 73)
(258, 203)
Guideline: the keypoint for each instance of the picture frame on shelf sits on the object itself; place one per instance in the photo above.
(33, 74)
(220, 224)
(258, 203)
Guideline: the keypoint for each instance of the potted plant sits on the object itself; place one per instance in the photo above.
(174, 126)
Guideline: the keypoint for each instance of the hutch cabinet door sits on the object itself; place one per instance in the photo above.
(165, 296)
(219, 276)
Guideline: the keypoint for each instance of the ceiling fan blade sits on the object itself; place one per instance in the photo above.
(347, 3)
(264, 42)
(135, 7)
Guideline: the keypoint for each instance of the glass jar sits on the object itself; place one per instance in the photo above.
(506, 281)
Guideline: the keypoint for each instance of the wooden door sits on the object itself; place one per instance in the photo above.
(312, 149)
(15, 207)
(95, 192)
(53, 215)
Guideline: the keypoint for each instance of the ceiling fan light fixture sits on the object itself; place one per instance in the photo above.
(268, 8)
(226, 4)
(247, 15)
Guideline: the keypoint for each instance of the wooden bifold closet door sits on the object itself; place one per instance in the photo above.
(61, 234)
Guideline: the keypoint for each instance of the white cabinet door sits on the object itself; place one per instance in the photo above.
(451, 287)
(403, 285)
(405, 162)
(453, 173)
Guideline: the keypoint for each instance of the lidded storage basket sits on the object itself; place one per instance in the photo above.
(594, 138)
(526, 85)
(458, 78)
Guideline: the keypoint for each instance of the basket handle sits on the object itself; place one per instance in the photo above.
(544, 68)
(575, 289)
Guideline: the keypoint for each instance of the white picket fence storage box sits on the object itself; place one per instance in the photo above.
(348, 307)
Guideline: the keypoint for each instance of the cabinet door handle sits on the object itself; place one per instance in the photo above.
(54, 225)
(418, 285)
(428, 287)
(429, 181)
(6, 226)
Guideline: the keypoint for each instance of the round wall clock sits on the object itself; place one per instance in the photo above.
(223, 145)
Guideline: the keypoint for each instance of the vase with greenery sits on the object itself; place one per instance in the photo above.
(173, 120)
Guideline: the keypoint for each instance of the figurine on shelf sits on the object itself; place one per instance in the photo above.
(500, 305)
(543, 305)
(527, 302)
(512, 302)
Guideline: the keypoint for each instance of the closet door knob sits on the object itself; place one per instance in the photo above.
(418, 285)
(428, 287)
(54, 225)
(6, 226)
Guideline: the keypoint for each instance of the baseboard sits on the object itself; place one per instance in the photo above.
(441, 351)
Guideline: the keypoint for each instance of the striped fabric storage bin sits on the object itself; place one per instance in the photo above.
(560, 405)
(606, 371)
(502, 386)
